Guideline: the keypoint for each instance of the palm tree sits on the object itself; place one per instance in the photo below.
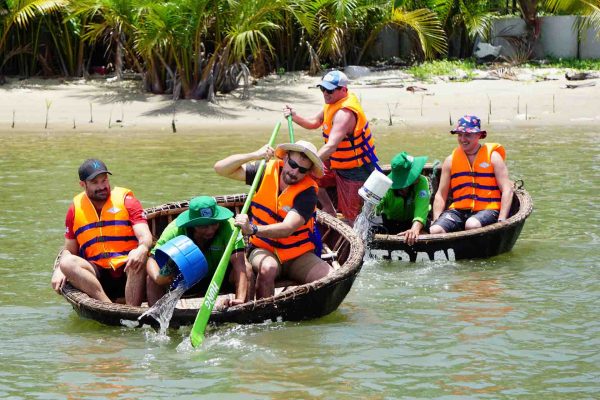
(204, 46)
(19, 14)
(463, 22)
(112, 21)
(422, 23)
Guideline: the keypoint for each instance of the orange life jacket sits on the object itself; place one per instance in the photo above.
(105, 240)
(475, 188)
(270, 207)
(357, 148)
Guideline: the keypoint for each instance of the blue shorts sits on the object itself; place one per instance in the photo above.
(454, 220)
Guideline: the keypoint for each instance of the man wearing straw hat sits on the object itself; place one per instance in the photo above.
(209, 226)
(405, 206)
(282, 227)
(476, 176)
(349, 150)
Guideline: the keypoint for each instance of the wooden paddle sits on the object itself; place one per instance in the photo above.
(290, 128)
(197, 334)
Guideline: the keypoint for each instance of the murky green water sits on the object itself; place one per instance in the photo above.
(522, 325)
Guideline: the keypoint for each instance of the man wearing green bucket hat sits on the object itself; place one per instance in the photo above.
(405, 206)
(209, 226)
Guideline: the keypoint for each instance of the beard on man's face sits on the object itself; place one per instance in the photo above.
(99, 194)
(289, 179)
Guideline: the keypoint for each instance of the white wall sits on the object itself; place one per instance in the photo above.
(558, 36)
(589, 45)
(557, 39)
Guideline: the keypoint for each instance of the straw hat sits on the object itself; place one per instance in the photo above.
(306, 148)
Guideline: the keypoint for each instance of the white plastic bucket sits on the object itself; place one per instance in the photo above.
(375, 187)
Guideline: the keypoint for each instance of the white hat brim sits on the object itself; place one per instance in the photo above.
(317, 168)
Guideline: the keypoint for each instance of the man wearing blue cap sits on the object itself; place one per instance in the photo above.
(349, 151)
(477, 178)
(209, 226)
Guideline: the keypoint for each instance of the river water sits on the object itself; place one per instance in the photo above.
(521, 325)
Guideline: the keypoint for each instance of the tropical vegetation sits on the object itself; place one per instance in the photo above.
(196, 48)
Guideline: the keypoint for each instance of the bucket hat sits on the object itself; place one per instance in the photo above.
(405, 170)
(203, 211)
(306, 148)
(469, 124)
(333, 80)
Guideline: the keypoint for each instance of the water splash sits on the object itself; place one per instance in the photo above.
(362, 224)
(163, 309)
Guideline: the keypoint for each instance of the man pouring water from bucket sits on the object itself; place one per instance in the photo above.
(208, 227)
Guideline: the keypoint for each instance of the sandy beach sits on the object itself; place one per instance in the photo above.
(529, 98)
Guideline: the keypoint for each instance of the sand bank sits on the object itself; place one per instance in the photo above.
(532, 98)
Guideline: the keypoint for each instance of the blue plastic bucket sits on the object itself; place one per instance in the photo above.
(187, 256)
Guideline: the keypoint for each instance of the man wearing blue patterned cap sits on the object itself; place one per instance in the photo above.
(477, 178)
(349, 150)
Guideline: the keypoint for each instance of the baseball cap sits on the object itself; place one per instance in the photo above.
(91, 168)
(333, 80)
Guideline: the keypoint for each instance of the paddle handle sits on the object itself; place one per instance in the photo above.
(291, 128)
(199, 327)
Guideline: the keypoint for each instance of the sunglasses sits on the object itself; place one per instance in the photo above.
(329, 91)
(294, 165)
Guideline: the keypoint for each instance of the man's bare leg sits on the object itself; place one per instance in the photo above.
(135, 287)
(81, 274)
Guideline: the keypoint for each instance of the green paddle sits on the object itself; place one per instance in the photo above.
(197, 334)
(291, 128)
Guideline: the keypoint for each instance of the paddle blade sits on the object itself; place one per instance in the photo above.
(199, 327)
(197, 334)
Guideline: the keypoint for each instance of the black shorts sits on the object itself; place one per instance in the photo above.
(393, 227)
(112, 281)
(454, 220)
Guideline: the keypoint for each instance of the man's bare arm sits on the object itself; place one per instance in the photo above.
(233, 166)
(504, 183)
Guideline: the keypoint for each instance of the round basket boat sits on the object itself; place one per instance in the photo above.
(484, 242)
(342, 249)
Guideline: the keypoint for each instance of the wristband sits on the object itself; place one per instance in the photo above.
(254, 229)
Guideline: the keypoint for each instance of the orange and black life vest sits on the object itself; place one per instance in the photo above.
(357, 148)
(270, 207)
(475, 188)
(106, 240)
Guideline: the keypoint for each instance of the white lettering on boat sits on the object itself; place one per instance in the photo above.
(401, 255)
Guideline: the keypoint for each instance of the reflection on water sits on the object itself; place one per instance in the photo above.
(521, 325)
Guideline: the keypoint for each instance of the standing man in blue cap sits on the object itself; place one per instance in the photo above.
(477, 178)
(349, 150)
(107, 240)
(209, 226)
